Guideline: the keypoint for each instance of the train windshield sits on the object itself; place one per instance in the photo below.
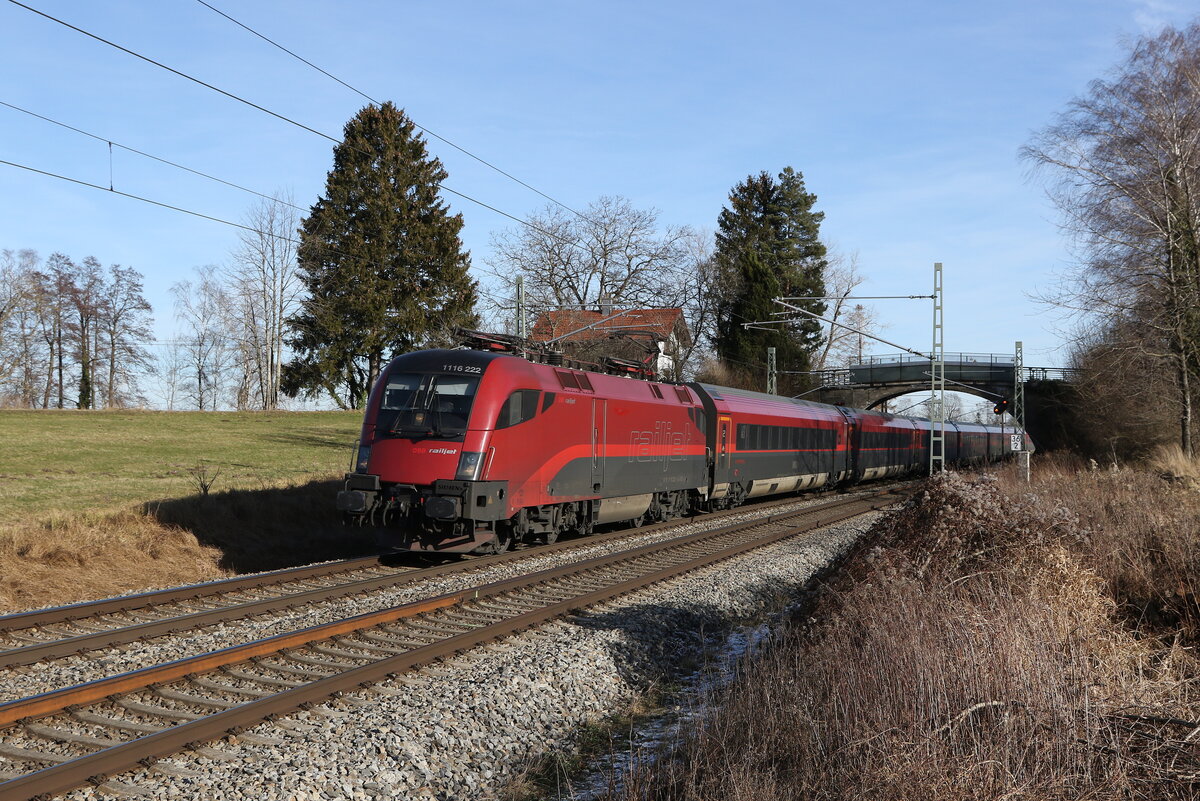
(416, 405)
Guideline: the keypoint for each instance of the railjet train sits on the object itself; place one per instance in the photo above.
(473, 451)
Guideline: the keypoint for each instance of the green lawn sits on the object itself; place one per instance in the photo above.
(75, 461)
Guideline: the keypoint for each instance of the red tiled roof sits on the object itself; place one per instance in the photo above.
(659, 322)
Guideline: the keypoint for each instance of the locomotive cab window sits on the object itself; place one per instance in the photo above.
(519, 407)
(415, 405)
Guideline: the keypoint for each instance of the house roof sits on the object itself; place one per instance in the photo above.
(660, 323)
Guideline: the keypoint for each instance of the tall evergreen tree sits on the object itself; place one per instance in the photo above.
(382, 260)
(768, 246)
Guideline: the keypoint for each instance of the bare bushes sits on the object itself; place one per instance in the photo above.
(970, 654)
(714, 371)
(1139, 530)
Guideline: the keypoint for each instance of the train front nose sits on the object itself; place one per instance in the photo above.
(415, 462)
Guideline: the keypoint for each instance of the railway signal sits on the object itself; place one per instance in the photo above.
(1001, 406)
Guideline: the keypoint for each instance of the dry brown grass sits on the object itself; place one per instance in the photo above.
(1170, 463)
(75, 558)
(977, 650)
(1138, 530)
(78, 557)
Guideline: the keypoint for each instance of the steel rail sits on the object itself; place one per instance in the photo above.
(119, 635)
(66, 775)
(141, 600)
(68, 646)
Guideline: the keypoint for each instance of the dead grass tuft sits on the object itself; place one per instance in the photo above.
(1171, 464)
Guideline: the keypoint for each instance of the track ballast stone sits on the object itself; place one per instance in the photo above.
(463, 729)
(55, 674)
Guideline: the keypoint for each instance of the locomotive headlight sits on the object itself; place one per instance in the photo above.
(469, 465)
(363, 458)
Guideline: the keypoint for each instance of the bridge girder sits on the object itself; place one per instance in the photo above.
(868, 397)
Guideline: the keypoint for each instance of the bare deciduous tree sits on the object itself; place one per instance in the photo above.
(85, 297)
(1125, 161)
(124, 330)
(843, 343)
(613, 250)
(697, 293)
(265, 287)
(205, 309)
(51, 291)
(68, 326)
(172, 364)
(13, 305)
(953, 408)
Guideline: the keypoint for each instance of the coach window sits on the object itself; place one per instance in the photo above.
(520, 406)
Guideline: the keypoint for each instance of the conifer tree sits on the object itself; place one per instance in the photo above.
(768, 246)
(381, 258)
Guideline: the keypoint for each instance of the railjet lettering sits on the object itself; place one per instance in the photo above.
(660, 445)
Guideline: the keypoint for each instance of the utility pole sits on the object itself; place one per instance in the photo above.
(1019, 436)
(522, 320)
(772, 375)
(937, 382)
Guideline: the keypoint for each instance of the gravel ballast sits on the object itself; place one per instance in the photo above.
(464, 729)
(56, 674)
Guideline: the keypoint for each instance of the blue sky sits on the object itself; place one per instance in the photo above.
(905, 119)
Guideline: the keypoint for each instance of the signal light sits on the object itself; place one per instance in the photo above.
(1001, 406)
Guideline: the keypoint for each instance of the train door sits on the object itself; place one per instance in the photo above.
(722, 473)
(847, 466)
(599, 430)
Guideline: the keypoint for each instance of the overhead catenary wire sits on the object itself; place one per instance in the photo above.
(366, 96)
(281, 117)
(160, 204)
(112, 144)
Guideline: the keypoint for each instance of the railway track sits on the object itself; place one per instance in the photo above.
(45, 634)
(52, 742)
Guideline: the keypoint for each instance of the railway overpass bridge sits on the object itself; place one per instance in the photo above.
(1048, 390)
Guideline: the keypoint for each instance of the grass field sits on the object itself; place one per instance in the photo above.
(71, 461)
(93, 503)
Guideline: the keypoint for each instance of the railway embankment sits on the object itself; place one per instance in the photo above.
(988, 640)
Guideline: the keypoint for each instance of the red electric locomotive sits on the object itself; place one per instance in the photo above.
(467, 450)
